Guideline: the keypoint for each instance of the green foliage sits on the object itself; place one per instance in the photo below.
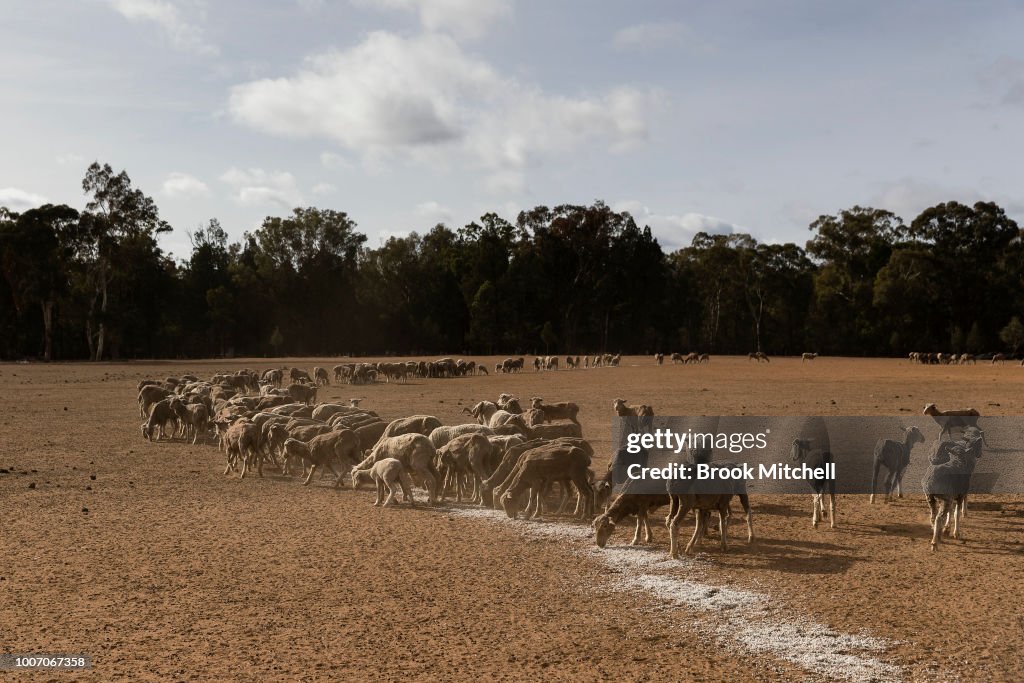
(574, 278)
(1013, 334)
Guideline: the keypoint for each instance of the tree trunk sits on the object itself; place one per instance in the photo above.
(101, 334)
(47, 306)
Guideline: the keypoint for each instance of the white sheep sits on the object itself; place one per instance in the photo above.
(385, 474)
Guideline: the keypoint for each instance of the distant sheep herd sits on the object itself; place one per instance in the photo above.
(510, 457)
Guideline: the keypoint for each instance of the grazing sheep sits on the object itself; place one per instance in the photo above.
(320, 377)
(624, 410)
(895, 456)
(160, 413)
(503, 471)
(385, 474)
(659, 358)
(148, 395)
(540, 466)
(465, 457)
(759, 356)
(325, 450)
(194, 417)
(998, 358)
(948, 480)
(240, 442)
(815, 458)
(948, 419)
(556, 411)
(416, 454)
(636, 504)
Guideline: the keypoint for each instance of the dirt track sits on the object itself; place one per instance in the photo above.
(179, 572)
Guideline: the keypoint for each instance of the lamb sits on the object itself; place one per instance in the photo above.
(895, 456)
(807, 356)
(548, 463)
(802, 452)
(385, 474)
(637, 504)
(556, 411)
(948, 480)
(416, 454)
(948, 419)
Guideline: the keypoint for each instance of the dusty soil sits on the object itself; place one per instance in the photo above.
(147, 558)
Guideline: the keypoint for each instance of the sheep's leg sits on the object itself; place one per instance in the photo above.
(379, 485)
(430, 483)
(815, 505)
(406, 483)
(874, 478)
(677, 510)
(832, 510)
(309, 477)
(723, 529)
(636, 534)
(698, 531)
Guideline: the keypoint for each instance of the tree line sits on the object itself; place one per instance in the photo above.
(569, 279)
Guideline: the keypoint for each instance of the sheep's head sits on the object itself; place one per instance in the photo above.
(930, 409)
(618, 404)
(512, 505)
(536, 402)
(914, 436)
(145, 431)
(604, 527)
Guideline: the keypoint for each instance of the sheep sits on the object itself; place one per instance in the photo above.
(443, 435)
(895, 456)
(556, 411)
(416, 454)
(505, 469)
(807, 356)
(948, 480)
(320, 377)
(759, 356)
(817, 458)
(948, 419)
(488, 413)
(148, 395)
(637, 504)
(677, 358)
(325, 450)
(704, 358)
(624, 410)
(998, 358)
(659, 358)
(416, 424)
(195, 417)
(305, 393)
(240, 441)
(298, 375)
(385, 474)
(160, 413)
(465, 456)
(555, 431)
(548, 463)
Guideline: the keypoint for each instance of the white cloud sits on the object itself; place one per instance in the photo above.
(184, 185)
(324, 188)
(334, 160)
(907, 197)
(256, 186)
(675, 231)
(183, 35)
(70, 159)
(423, 98)
(434, 212)
(462, 18)
(653, 36)
(20, 200)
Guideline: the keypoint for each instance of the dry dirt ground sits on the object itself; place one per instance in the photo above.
(177, 572)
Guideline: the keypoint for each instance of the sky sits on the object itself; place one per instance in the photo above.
(735, 116)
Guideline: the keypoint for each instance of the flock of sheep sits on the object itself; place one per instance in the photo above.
(509, 457)
(957, 359)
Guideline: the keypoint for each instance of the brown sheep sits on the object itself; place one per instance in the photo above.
(556, 411)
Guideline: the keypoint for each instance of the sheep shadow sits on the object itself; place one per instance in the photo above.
(799, 557)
